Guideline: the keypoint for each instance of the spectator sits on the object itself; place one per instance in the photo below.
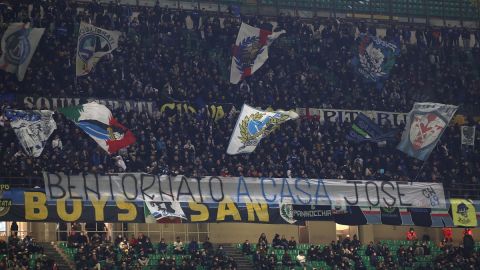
(411, 235)
(162, 247)
(292, 244)
(468, 245)
(246, 248)
(178, 246)
(287, 259)
(447, 234)
(262, 242)
(301, 259)
(192, 247)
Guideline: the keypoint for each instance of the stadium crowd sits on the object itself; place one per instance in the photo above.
(179, 55)
(92, 251)
(23, 253)
(351, 254)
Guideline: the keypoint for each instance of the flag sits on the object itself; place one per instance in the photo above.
(463, 213)
(18, 46)
(365, 130)
(33, 128)
(250, 51)
(252, 126)
(93, 44)
(98, 122)
(426, 123)
(162, 210)
(468, 135)
(374, 58)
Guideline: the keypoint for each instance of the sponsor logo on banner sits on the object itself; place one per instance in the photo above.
(274, 191)
(5, 204)
(286, 212)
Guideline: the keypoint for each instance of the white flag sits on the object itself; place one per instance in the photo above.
(18, 46)
(468, 135)
(425, 125)
(251, 51)
(93, 44)
(160, 210)
(252, 126)
(33, 128)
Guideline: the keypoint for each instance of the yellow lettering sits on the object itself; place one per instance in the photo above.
(35, 206)
(76, 210)
(131, 213)
(228, 209)
(258, 209)
(170, 106)
(203, 214)
(99, 207)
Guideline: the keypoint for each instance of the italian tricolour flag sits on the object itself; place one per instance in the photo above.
(98, 122)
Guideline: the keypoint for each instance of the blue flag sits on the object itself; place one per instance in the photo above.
(426, 123)
(374, 58)
(365, 130)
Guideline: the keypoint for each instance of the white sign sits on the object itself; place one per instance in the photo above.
(212, 189)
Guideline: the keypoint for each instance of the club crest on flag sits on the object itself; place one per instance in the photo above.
(17, 47)
(252, 126)
(425, 125)
(375, 57)
(258, 125)
(91, 43)
(246, 53)
(250, 51)
(425, 129)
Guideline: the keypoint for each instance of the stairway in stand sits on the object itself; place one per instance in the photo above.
(55, 253)
(242, 261)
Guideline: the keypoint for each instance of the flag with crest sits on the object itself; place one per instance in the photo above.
(19, 43)
(93, 43)
(250, 51)
(374, 58)
(98, 122)
(426, 123)
(252, 126)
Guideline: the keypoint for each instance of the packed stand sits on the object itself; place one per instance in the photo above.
(24, 253)
(351, 254)
(194, 145)
(97, 250)
(184, 56)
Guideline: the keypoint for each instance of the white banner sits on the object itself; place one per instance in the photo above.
(19, 43)
(252, 126)
(333, 115)
(468, 135)
(212, 189)
(93, 44)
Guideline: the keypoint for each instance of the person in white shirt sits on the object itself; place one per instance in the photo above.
(301, 259)
(178, 246)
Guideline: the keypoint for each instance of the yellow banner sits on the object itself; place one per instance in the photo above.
(463, 213)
